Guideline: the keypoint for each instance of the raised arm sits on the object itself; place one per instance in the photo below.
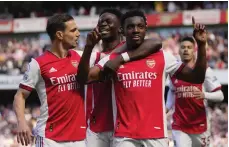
(84, 66)
(197, 75)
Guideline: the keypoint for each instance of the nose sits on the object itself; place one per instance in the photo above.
(103, 23)
(77, 33)
(136, 30)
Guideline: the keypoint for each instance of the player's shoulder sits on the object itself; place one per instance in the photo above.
(209, 72)
(77, 51)
(43, 58)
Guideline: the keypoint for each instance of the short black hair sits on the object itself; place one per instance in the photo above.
(114, 11)
(57, 23)
(188, 38)
(133, 13)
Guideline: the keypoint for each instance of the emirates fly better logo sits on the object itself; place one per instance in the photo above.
(150, 63)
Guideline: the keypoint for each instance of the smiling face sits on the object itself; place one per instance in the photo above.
(134, 30)
(187, 51)
(109, 26)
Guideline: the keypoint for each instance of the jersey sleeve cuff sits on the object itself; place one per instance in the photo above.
(28, 88)
(216, 89)
(99, 66)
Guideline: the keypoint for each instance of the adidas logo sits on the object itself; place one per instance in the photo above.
(52, 70)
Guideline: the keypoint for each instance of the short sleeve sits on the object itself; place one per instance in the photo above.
(95, 56)
(172, 64)
(211, 83)
(103, 61)
(31, 76)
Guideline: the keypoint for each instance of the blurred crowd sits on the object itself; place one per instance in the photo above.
(8, 125)
(44, 8)
(16, 54)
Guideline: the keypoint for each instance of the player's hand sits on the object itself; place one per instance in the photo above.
(199, 32)
(113, 65)
(24, 135)
(198, 94)
(93, 37)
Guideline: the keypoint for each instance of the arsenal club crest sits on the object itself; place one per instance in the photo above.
(150, 63)
(75, 63)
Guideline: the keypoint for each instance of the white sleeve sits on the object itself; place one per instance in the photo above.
(170, 99)
(211, 83)
(31, 76)
(95, 56)
(172, 65)
(216, 96)
(103, 61)
(171, 86)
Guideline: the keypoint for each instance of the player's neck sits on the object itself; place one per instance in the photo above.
(58, 50)
(190, 63)
(109, 46)
(131, 46)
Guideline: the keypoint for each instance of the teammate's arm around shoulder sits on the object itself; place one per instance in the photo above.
(148, 47)
(197, 75)
(30, 79)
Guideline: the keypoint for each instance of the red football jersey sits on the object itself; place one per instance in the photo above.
(138, 94)
(62, 114)
(101, 118)
(190, 114)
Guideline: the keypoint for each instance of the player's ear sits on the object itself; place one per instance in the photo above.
(146, 25)
(59, 35)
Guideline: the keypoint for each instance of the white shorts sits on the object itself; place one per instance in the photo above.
(129, 142)
(103, 139)
(182, 139)
(45, 142)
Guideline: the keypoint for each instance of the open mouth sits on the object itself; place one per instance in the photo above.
(104, 30)
(136, 37)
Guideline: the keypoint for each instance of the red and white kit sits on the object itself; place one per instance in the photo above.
(190, 115)
(62, 112)
(138, 94)
(101, 124)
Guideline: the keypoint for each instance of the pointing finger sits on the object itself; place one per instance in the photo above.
(193, 21)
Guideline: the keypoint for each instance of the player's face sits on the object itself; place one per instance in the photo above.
(108, 26)
(187, 51)
(70, 35)
(134, 30)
